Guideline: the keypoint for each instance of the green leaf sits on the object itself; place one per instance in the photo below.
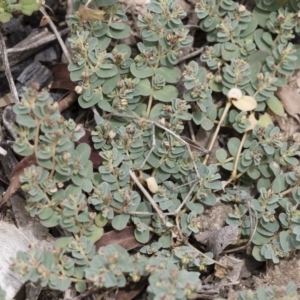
(233, 146)
(96, 234)
(142, 237)
(196, 207)
(80, 286)
(26, 120)
(286, 241)
(166, 94)
(5, 17)
(105, 105)
(103, 42)
(110, 84)
(141, 73)
(95, 99)
(119, 34)
(261, 17)
(256, 252)
(228, 166)
(250, 28)
(30, 6)
(260, 239)
(279, 184)
(63, 242)
(52, 221)
(106, 2)
(297, 54)
(263, 183)
(107, 71)
(156, 111)
(84, 152)
(165, 240)
(276, 106)
(253, 173)
(145, 207)
(262, 40)
(62, 284)
(46, 213)
(221, 155)
(144, 86)
(170, 74)
(100, 221)
(119, 222)
(257, 56)
(230, 51)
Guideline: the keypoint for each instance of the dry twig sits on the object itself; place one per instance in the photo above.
(8, 74)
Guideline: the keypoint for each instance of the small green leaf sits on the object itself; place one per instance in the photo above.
(256, 252)
(233, 146)
(52, 221)
(276, 106)
(46, 213)
(142, 237)
(26, 120)
(107, 71)
(119, 222)
(80, 286)
(119, 34)
(170, 74)
(110, 84)
(96, 234)
(221, 155)
(166, 94)
(286, 241)
(141, 73)
(279, 184)
(230, 51)
(144, 86)
(100, 221)
(105, 105)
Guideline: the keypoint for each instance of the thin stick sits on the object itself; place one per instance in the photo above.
(59, 39)
(191, 55)
(175, 212)
(148, 196)
(180, 186)
(41, 39)
(152, 147)
(9, 77)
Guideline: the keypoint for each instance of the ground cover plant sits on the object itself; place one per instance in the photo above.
(150, 174)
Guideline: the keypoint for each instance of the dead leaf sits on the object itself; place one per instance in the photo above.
(44, 21)
(67, 101)
(234, 268)
(7, 99)
(252, 121)
(61, 78)
(86, 14)
(15, 176)
(124, 238)
(246, 103)
(152, 184)
(290, 100)
(220, 272)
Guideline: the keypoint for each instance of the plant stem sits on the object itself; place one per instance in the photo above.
(233, 174)
(226, 109)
